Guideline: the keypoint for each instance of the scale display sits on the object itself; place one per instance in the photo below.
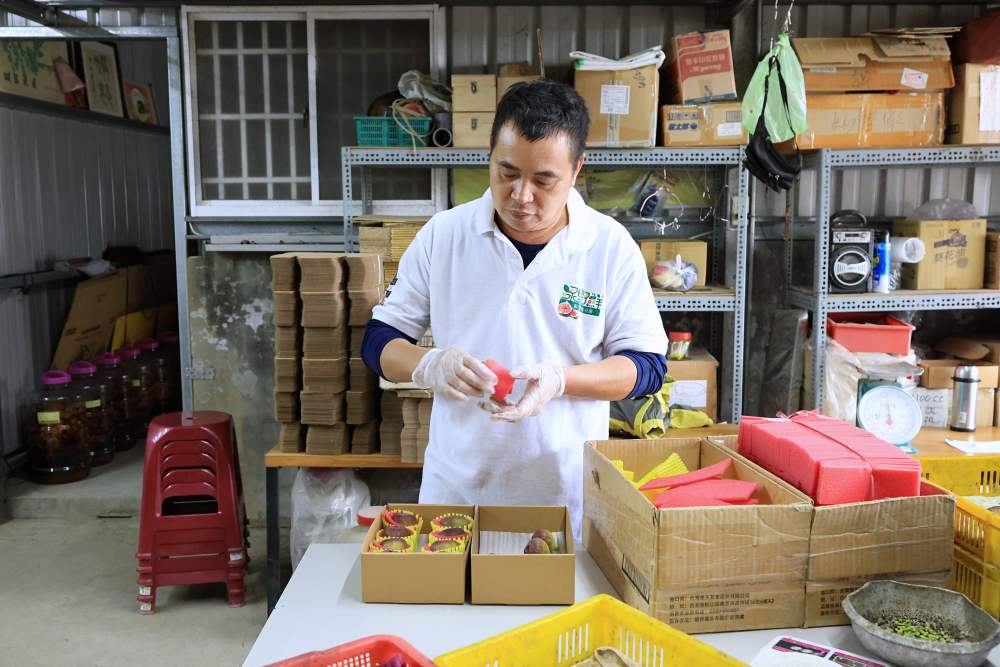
(888, 412)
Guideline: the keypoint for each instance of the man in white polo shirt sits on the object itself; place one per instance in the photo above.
(532, 277)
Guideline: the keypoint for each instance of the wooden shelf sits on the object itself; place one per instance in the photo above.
(279, 459)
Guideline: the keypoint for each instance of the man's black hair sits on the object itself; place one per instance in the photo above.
(539, 109)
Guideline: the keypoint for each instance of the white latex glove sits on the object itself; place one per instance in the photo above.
(545, 382)
(454, 374)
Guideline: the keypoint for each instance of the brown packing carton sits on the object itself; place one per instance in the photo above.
(324, 375)
(701, 67)
(873, 120)
(523, 578)
(623, 105)
(956, 253)
(286, 373)
(408, 443)
(472, 130)
(97, 303)
(823, 599)
(334, 439)
(286, 309)
(704, 569)
(325, 342)
(961, 347)
(884, 62)
(693, 252)
(712, 124)
(362, 406)
(357, 338)
(364, 439)
(321, 271)
(324, 309)
(992, 274)
(361, 378)
(938, 373)
(285, 272)
(966, 124)
(695, 382)
(473, 92)
(505, 82)
(364, 271)
(286, 406)
(429, 578)
(322, 408)
(291, 437)
(287, 341)
(389, 434)
(362, 302)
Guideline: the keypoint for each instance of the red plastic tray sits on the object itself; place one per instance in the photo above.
(364, 652)
(865, 332)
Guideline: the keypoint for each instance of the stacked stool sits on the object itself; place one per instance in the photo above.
(193, 526)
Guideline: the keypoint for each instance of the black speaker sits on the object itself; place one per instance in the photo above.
(852, 243)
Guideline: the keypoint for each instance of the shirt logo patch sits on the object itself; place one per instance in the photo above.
(388, 290)
(575, 301)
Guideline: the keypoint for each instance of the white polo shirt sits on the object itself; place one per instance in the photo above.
(464, 278)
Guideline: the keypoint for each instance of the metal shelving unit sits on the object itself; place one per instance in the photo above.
(819, 302)
(729, 300)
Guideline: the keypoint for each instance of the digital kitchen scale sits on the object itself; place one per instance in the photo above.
(888, 412)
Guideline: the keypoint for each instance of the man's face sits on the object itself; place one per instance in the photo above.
(530, 180)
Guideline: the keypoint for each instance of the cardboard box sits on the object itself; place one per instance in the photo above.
(938, 373)
(992, 261)
(321, 271)
(361, 304)
(286, 374)
(322, 408)
(709, 569)
(287, 341)
(286, 309)
(505, 82)
(361, 406)
(694, 252)
(364, 271)
(713, 124)
(286, 406)
(935, 405)
(334, 439)
(291, 437)
(701, 67)
(364, 438)
(473, 92)
(325, 342)
(324, 309)
(885, 62)
(430, 578)
(823, 599)
(695, 382)
(956, 253)
(97, 304)
(623, 105)
(362, 378)
(972, 119)
(324, 375)
(285, 271)
(872, 120)
(521, 578)
(472, 130)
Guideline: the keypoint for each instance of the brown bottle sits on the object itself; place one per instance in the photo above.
(58, 452)
(94, 394)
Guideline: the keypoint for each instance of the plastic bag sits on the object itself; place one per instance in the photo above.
(674, 274)
(414, 84)
(944, 209)
(781, 124)
(325, 502)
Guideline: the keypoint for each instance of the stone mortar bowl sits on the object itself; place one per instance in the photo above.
(869, 601)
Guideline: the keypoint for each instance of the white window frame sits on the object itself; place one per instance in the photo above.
(313, 207)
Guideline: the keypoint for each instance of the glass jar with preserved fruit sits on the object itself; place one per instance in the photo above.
(170, 348)
(680, 344)
(152, 355)
(58, 452)
(117, 381)
(140, 388)
(94, 393)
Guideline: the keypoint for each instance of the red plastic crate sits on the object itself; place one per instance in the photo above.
(364, 652)
(870, 332)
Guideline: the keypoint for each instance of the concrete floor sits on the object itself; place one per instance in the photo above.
(68, 583)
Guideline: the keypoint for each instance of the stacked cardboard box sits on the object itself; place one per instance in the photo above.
(388, 236)
(415, 434)
(287, 350)
(364, 291)
(392, 423)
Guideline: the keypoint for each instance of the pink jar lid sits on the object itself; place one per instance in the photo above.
(107, 359)
(147, 344)
(169, 338)
(55, 377)
(128, 352)
(82, 368)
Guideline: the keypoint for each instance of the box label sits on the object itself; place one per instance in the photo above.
(729, 130)
(935, 405)
(913, 78)
(614, 99)
(48, 417)
(691, 393)
(989, 101)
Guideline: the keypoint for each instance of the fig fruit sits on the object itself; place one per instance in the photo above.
(395, 545)
(396, 530)
(549, 539)
(536, 546)
(445, 546)
(451, 521)
(401, 518)
(460, 534)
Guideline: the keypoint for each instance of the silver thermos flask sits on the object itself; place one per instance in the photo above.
(963, 399)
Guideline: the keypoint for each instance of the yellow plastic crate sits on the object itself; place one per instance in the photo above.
(977, 581)
(569, 636)
(977, 530)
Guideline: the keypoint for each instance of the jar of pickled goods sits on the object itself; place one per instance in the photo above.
(170, 348)
(162, 390)
(117, 381)
(94, 393)
(680, 344)
(140, 388)
(58, 452)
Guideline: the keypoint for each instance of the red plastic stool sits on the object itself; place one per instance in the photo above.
(192, 525)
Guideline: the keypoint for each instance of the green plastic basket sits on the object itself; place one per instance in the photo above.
(384, 131)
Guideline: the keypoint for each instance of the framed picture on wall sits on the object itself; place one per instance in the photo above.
(100, 73)
(139, 102)
(27, 68)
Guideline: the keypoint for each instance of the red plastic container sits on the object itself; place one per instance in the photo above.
(373, 650)
(870, 332)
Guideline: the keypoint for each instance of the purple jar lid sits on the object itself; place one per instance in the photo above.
(107, 359)
(169, 338)
(82, 368)
(128, 352)
(55, 377)
(147, 344)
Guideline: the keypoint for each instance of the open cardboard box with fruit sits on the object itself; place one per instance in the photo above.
(524, 578)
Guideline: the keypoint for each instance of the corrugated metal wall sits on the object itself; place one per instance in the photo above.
(68, 188)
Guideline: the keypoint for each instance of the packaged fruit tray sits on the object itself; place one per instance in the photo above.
(977, 529)
(572, 635)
